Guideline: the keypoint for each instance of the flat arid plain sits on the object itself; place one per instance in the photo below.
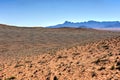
(38, 53)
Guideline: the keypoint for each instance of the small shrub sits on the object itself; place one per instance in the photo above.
(99, 60)
(112, 67)
(105, 46)
(101, 68)
(110, 54)
(118, 68)
(18, 65)
(96, 61)
(93, 74)
(55, 78)
(118, 63)
(11, 78)
(61, 57)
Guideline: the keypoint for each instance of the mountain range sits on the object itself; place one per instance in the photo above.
(89, 24)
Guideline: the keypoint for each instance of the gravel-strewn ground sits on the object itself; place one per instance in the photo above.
(59, 54)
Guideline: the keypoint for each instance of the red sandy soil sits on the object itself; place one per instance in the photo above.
(58, 54)
(95, 61)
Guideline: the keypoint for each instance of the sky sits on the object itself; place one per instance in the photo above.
(51, 12)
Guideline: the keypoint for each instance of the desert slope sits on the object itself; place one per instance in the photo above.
(58, 54)
(25, 41)
(95, 61)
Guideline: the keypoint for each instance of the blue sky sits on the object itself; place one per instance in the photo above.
(51, 12)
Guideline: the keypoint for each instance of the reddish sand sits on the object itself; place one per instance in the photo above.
(58, 54)
(94, 61)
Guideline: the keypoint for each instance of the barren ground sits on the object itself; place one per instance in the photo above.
(58, 54)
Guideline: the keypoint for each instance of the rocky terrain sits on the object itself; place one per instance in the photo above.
(72, 54)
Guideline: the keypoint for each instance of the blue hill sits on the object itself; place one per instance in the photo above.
(89, 24)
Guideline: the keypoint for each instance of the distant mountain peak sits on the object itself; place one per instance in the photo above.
(92, 21)
(89, 24)
(67, 22)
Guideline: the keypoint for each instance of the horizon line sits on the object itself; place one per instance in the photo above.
(56, 23)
